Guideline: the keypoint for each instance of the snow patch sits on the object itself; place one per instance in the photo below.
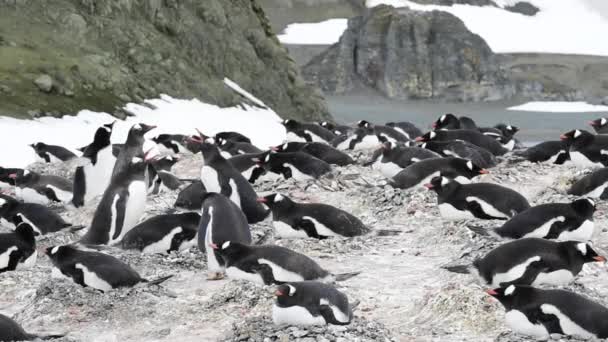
(322, 33)
(559, 107)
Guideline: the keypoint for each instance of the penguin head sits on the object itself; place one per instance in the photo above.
(427, 137)
(291, 125)
(23, 177)
(507, 130)
(108, 127)
(285, 291)
(584, 207)
(448, 120)
(229, 250)
(575, 136)
(583, 251)
(327, 125)
(25, 230)
(512, 295)
(289, 146)
(387, 146)
(598, 123)
(467, 168)
(56, 252)
(440, 184)
(38, 147)
(382, 139)
(364, 124)
(276, 201)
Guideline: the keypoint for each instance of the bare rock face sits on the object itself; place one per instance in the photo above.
(408, 54)
(524, 8)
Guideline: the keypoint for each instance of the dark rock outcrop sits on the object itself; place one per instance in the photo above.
(99, 54)
(524, 8)
(408, 54)
(456, 2)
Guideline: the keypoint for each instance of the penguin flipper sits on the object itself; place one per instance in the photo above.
(330, 318)
(169, 180)
(79, 187)
(265, 272)
(46, 337)
(309, 228)
(529, 275)
(479, 230)
(462, 269)
(157, 281)
(551, 322)
(345, 276)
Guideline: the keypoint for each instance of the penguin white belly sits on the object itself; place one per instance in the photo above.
(553, 158)
(315, 138)
(163, 245)
(291, 136)
(518, 322)
(30, 261)
(91, 279)
(280, 273)
(559, 277)
(29, 195)
(338, 314)
(236, 273)
(597, 192)
(97, 177)
(210, 179)
(295, 315)
(568, 326)
(135, 206)
(510, 145)
(583, 233)
(544, 229)
(5, 257)
(368, 142)
(514, 273)
(390, 169)
(62, 195)
(284, 230)
(345, 144)
(54, 159)
(234, 194)
(581, 161)
(462, 180)
(213, 264)
(297, 174)
(247, 173)
(400, 130)
(449, 212)
(320, 227)
(487, 207)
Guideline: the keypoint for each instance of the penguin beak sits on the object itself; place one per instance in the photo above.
(150, 155)
(484, 172)
(278, 293)
(147, 128)
(274, 148)
(434, 125)
(419, 139)
(203, 136)
(261, 200)
(492, 292)
(195, 139)
(563, 137)
(599, 258)
(214, 246)
(428, 186)
(592, 123)
(12, 176)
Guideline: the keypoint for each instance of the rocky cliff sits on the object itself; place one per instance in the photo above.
(408, 54)
(60, 56)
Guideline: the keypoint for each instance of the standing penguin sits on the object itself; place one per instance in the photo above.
(301, 220)
(54, 188)
(599, 125)
(473, 136)
(561, 221)
(296, 165)
(121, 206)
(592, 185)
(218, 175)
(52, 153)
(18, 248)
(555, 152)
(586, 149)
(11, 331)
(221, 221)
(541, 313)
(163, 233)
(310, 303)
(303, 132)
(481, 200)
(133, 147)
(321, 151)
(533, 262)
(42, 219)
(93, 269)
(423, 171)
(93, 178)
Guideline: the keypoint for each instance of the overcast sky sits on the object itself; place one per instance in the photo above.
(598, 5)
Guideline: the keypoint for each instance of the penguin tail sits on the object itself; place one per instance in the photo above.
(46, 337)
(189, 180)
(158, 281)
(75, 228)
(354, 305)
(463, 269)
(345, 276)
(387, 232)
(479, 230)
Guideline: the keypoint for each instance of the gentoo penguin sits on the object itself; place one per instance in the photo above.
(533, 262)
(389, 133)
(363, 138)
(221, 221)
(18, 248)
(450, 121)
(270, 264)
(42, 219)
(396, 158)
(304, 132)
(160, 177)
(234, 136)
(93, 269)
(592, 185)
(481, 200)
(541, 313)
(93, 178)
(561, 221)
(11, 331)
(296, 165)
(247, 165)
(321, 151)
(121, 206)
(191, 197)
(163, 233)
(473, 136)
(301, 220)
(555, 152)
(218, 175)
(53, 188)
(234, 147)
(133, 148)
(599, 125)
(336, 129)
(406, 128)
(587, 150)
(52, 153)
(423, 171)
(462, 149)
(310, 303)
(5, 176)
(171, 143)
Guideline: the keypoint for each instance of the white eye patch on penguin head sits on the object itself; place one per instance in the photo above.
(136, 160)
(225, 245)
(432, 135)
(137, 127)
(509, 291)
(52, 251)
(582, 247)
(603, 121)
(470, 165)
(577, 134)
(278, 198)
(442, 118)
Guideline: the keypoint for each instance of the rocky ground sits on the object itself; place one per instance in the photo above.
(404, 293)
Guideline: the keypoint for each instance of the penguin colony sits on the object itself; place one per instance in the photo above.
(546, 245)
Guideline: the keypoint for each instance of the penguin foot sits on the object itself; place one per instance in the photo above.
(215, 276)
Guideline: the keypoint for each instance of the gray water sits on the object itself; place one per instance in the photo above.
(534, 126)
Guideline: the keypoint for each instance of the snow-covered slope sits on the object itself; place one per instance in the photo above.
(323, 33)
(559, 107)
(170, 115)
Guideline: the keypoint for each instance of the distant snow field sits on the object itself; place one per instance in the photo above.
(559, 107)
(171, 115)
(323, 33)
